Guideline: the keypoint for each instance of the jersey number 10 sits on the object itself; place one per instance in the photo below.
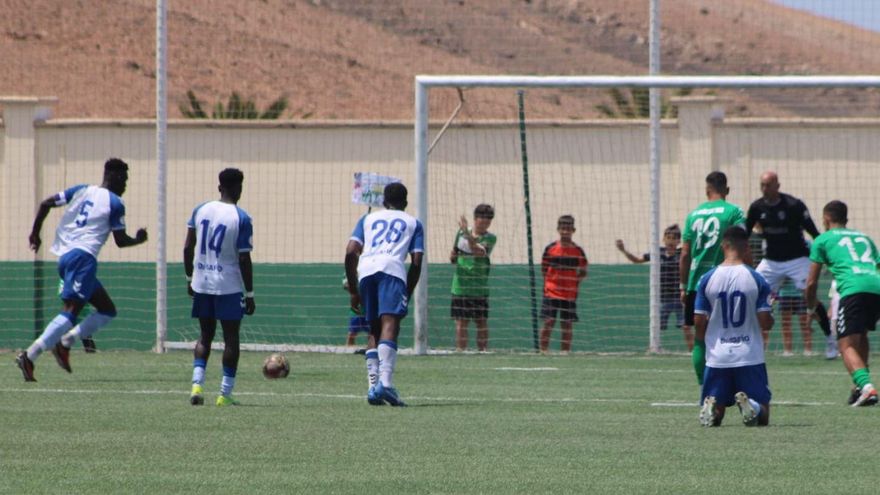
(733, 308)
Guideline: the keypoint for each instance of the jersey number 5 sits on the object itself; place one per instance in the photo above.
(215, 243)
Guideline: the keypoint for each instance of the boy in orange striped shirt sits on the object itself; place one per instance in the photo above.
(564, 265)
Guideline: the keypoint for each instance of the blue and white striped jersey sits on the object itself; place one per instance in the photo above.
(91, 213)
(387, 237)
(732, 296)
(223, 230)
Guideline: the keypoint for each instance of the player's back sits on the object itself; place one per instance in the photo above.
(91, 213)
(387, 237)
(703, 229)
(731, 296)
(851, 257)
(223, 230)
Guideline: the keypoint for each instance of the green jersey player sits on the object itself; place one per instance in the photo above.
(701, 239)
(852, 259)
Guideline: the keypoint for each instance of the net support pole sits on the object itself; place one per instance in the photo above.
(420, 296)
(162, 169)
(654, 185)
(524, 154)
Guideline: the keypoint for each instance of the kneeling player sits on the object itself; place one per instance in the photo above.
(732, 307)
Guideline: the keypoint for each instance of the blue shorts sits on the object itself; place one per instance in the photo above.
(724, 383)
(383, 294)
(79, 274)
(358, 324)
(226, 307)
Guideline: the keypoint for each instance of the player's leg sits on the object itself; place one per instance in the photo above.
(686, 330)
(231, 351)
(548, 314)
(797, 270)
(392, 308)
(104, 314)
(201, 354)
(753, 394)
(786, 328)
(77, 269)
(461, 334)
(831, 350)
(482, 334)
(715, 394)
(806, 332)
(857, 316)
(367, 289)
(567, 316)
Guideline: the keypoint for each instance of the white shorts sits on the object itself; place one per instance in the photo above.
(777, 271)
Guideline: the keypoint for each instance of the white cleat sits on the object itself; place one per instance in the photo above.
(749, 414)
(867, 396)
(707, 412)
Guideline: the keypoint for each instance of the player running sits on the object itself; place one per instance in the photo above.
(853, 260)
(783, 219)
(732, 307)
(223, 234)
(92, 213)
(379, 280)
(701, 246)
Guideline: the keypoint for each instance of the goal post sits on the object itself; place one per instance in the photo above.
(425, 83)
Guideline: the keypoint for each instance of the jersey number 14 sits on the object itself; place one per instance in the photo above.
(215, 243)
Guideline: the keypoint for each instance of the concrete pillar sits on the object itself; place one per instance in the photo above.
(696, 116)
(19, 174)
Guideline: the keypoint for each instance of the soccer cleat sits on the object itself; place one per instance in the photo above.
(831, 347)
(26, 366)
(373, 399)
(89, 346)
(195, 397)
(750, 416)
(707, 413)
(853, 395)
(226, 400)
(62, 357)
(389, 395)
(867, 397)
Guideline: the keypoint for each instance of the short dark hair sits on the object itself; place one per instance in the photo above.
(565, 220)
(231, 177)
(484, 211)
(115, 165)
(395, 195)
(718, 181)
(836, 211)
(672, 229)
(736, 235)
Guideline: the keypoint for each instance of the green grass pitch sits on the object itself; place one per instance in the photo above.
(497, 423)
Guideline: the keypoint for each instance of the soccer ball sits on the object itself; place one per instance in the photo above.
(276, 366)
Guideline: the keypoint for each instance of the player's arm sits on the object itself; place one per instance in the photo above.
(247, 277)
(765, 320)
(807, 222)
(189, 253)
(684, 268)
(45, 206)
(582, 268)
(352, 255)
(414, 272)
(633, 258)
(813, 286)
(477, 249)
(752, 218)
(124, 240)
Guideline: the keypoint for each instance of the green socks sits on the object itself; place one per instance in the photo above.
(698, 357)
(861, 377)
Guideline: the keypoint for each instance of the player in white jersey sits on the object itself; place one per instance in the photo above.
(731, 309)
(379, 281)
(217, 261)
(91, 214)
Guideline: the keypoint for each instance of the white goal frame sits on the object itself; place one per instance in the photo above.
(423, 83)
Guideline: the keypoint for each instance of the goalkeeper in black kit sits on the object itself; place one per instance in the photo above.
(783, 220)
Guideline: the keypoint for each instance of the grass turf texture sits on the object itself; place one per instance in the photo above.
(502, 423)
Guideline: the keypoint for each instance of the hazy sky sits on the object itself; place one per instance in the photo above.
(863, 13)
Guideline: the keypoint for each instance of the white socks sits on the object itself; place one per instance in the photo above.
(51, 335)
(387, 361)
(86, 329)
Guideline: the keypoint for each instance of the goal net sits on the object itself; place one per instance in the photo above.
(586, 154)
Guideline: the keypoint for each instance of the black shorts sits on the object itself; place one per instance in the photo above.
(567, 309)
(469, 308)
(858, 313)
(689, 309)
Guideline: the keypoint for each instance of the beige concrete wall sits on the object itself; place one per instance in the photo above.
(298, 177)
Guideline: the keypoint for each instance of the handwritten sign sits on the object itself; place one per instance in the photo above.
(369, 188)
